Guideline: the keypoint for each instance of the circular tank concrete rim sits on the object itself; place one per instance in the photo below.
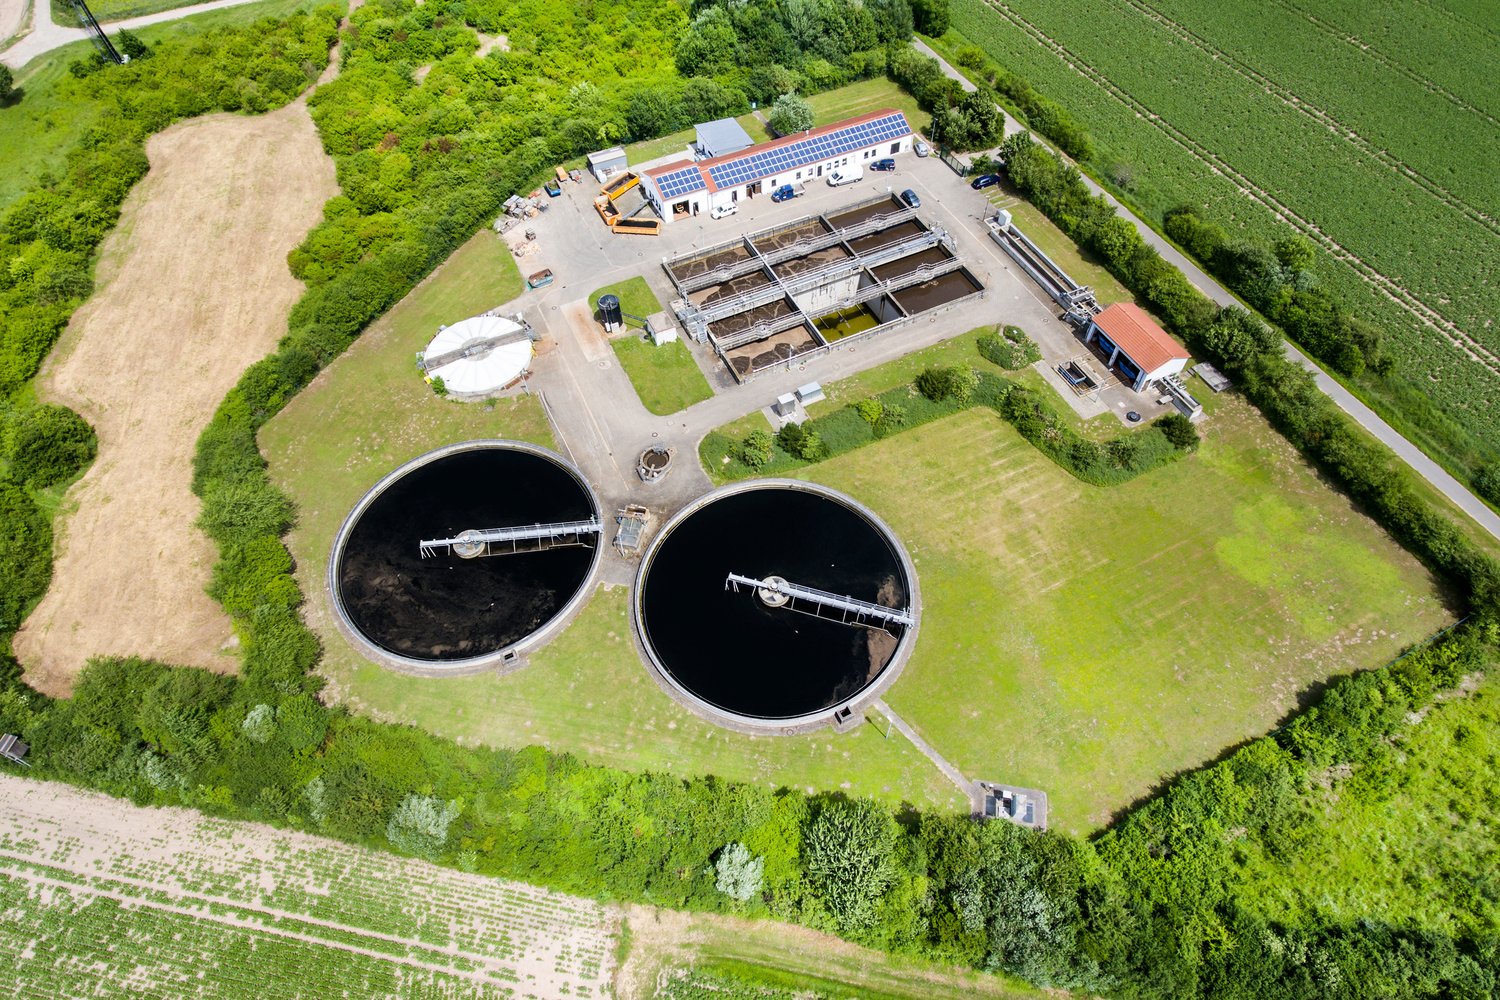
(791, 725)
(473, 664)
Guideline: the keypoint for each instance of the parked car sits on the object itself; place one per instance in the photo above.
(848, 175)
(910, 197)
(784, 193)
(922, 149)
(984, 181)
(724, 211)
(889, 163)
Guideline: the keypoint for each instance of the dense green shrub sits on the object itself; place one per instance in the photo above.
(1280, 282)
(789, 114)
(49, 444)
(1178, 430)
(755, 450)
(25, 554)
(1010, 348)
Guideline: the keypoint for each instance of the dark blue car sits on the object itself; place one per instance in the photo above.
(910, 197)
(784, 193)
(886, 164)
(984, 181)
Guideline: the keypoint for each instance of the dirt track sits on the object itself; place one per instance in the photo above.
(194, 287)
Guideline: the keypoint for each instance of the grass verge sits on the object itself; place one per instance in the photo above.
(665, 377)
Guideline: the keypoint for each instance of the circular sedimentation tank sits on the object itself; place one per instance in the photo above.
(458, 609)
(749, 657)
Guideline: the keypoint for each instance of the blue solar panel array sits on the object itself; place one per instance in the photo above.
(680, 182)
(799, 154)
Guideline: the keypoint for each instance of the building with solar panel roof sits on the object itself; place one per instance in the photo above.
(690, 187)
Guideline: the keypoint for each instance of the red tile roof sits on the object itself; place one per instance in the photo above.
(761, 147)
(1137, 334)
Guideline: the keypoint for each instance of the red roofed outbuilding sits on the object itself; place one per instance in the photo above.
(1140, 350)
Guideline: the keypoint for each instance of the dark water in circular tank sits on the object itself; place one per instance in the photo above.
(444, 607)
(737, 654)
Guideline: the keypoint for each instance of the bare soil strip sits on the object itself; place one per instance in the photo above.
(194, 287)
(289, 885)
(1392, 290)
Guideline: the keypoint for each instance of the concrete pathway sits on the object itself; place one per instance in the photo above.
(1367, 418)
(970, 789)
(47, 35)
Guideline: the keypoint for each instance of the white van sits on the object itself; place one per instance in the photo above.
(846, 175)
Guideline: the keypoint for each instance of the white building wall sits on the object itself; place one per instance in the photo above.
(706, 201)
(1173, 367)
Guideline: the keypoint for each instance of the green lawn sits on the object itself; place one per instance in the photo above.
(1093, 641)
(636, 298)
(587, 691)
(1410, 840)
(666, 378)
(866, 96)
(116, 10)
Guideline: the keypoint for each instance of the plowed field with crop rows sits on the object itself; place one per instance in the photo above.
(101, 898)
(1371, 126)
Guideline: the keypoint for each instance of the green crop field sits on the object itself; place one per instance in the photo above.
(1092, 641)
(1371, 128)
(108, 899)
(1408, 840)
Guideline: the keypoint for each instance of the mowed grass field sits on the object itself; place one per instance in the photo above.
(586, 692)
(1093, 641)
(1343, 118)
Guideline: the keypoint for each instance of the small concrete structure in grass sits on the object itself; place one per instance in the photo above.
(1022, 806)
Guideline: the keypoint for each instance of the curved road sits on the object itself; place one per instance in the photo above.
(1367, 418)
(47, 35)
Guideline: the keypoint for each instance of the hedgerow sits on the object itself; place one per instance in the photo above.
(912, 405)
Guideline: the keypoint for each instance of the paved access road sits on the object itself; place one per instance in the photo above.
(1367, 418)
